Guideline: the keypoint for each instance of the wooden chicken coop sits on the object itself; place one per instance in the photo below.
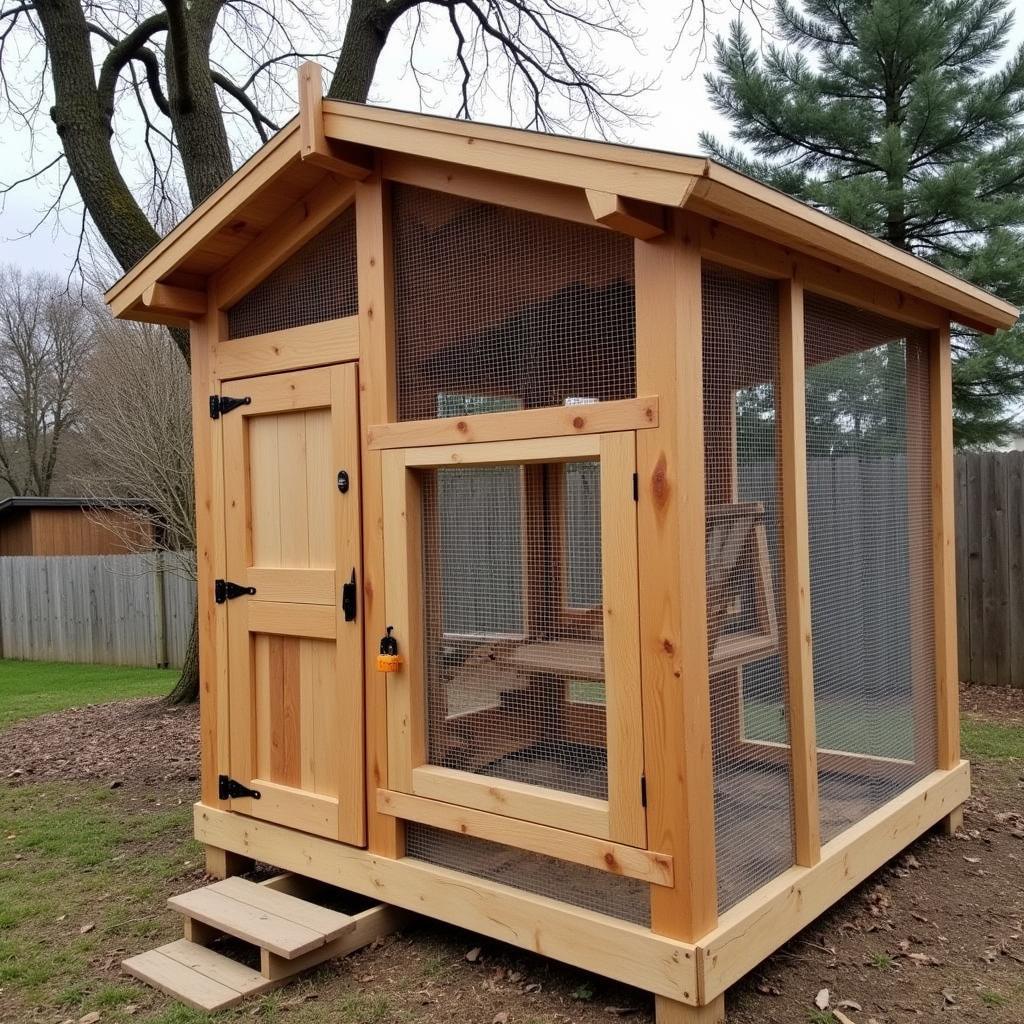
(648, 469)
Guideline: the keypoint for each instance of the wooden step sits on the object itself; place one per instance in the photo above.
(273, 920)
(198, 976)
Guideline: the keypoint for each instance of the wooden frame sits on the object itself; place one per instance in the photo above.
(681, 212)
(621, 817)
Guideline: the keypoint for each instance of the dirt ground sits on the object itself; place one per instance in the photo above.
(938, 934)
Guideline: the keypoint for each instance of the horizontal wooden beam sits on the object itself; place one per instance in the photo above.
(296, 348)
(495, 453)
(594, 942)
(742, 250)
(760, 924)
(350, 161)
(600, 854)
(567, 811)
(597, 418)
(166, 300)
(625, 215)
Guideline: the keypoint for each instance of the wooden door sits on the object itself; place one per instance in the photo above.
(292, 532)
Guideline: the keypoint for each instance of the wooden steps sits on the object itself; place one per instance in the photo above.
(292, 934)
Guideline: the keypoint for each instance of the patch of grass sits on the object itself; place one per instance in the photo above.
(821, 1017)
(71, 856)
(992, 998)
(881, 961)
(981, 739)
(29, 688)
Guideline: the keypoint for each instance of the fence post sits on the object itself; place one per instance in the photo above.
(160, 611)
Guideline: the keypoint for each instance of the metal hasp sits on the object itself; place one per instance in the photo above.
(229, 789)
(220, 404)
(348, 598)
(225, 590)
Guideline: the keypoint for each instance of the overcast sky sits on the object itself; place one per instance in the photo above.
(678, 110)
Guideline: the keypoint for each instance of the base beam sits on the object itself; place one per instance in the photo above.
(668, 1011)
(225, 863)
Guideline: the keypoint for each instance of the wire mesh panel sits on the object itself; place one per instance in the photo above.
(868, 469)
(626, 899)
(499, 309)
(513, 624)
(317, 283)
(746, 629)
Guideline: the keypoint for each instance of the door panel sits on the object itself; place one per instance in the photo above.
(295, 674)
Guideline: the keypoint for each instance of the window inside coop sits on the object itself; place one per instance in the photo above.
(498, 309)
(744, 551)
(513, 624)
(316, 283)
(869, 485)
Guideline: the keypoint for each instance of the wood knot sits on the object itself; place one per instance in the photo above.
(462, 426)
(660, 487)
(577, 422)
(668, 646)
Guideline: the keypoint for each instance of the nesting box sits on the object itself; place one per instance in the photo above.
(648, 470)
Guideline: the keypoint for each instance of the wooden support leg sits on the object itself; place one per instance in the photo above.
(224, 863)
(668, 1011)
(952, 822)
(199, 933)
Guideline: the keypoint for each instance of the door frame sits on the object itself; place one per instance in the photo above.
(621, 817)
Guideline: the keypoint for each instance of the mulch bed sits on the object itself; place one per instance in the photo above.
(138, 740)
(1002, 704)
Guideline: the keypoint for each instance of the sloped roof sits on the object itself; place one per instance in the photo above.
(277, 178)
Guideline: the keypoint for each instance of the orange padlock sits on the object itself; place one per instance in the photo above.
(388, 660)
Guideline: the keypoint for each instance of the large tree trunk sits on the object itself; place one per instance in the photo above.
(366, 32)
(186, 689)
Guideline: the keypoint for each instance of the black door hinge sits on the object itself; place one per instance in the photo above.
(225, 590)
(643, 790)
(229, 789)
(636, 486)
(348, 598)
(220, 404)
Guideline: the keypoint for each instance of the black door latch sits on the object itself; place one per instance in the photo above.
(343, 481)
(229, 789)
(225, 590)
(348, 598)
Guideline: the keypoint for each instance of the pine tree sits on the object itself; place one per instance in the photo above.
(902, 118)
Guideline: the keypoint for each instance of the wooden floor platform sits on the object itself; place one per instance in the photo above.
(292, 933)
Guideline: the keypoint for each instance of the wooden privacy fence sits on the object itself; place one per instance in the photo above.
(989, 562)
(107, 609)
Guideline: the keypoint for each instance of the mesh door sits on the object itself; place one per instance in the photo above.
(317, 283)
(868, 469)
(497, 309)
(746, 630)
(513, 624)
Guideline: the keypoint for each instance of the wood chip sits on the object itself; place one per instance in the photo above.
(841, 1017)
(821, 1000)
(473, 955)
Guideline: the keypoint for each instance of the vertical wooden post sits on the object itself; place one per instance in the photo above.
(947, 679)
(792, 439)
(377, 404)
(212, 689)
(673, 607)
(160, 609)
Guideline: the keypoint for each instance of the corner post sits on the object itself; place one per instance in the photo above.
(673, 606)
(792, 439)
(377, 404)
(213, 697)
(947, 681)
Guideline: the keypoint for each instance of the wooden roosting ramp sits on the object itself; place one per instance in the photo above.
(645, 467)
(279, 917)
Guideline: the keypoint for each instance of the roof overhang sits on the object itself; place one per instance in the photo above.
(623, 186)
